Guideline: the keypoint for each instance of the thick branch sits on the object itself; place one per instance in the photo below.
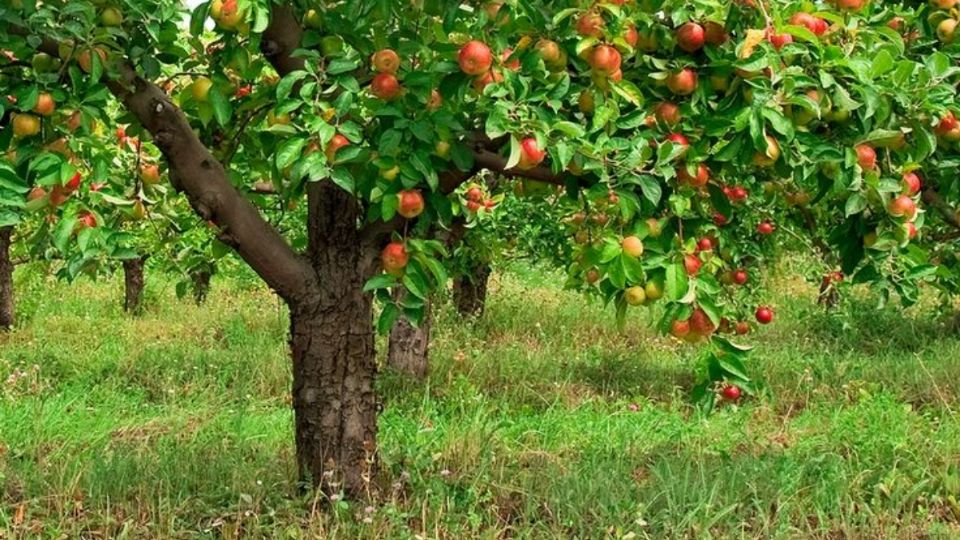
(933, 199)
(281, 38)
(494, 162)
(194, 171)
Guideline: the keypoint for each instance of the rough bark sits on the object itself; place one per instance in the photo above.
(409, 347)
(332, 343)
(133, 285)
(470, 291)
(6, 280)
(201, 284)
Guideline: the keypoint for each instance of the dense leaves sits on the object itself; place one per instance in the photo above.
(688, 144)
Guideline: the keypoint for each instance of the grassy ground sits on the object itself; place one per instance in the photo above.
(177, 425)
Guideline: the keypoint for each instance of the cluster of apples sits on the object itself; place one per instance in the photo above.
(902, 206)
(477, 200)
(385, 85)
(944, 19)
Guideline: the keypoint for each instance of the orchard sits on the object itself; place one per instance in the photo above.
(672, 160)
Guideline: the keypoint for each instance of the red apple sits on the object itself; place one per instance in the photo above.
(678, 140)
(691, 37)
(411, 203)
(764, 315)
(513, 65)
(475, 58)
(631, 36)
(86, 219)
(386, 61)
(680, 329)
(912, 183)
(530, 154)
(590, 25)
(692, 264)
(490, 77)
(715, 33)
(395, 258)
(866, 156)
(667, 113)
(902, 206)
(851, 5)
(815, 24)
(778, 41)
(765, 228)
(695, 181)
(701, 324)
(385, 86)
(74, 183)
(730, 392)
(683, 82)
(947, 124)
(337, 142)
(605, 60)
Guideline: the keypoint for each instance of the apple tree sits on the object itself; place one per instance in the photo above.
(676, 130)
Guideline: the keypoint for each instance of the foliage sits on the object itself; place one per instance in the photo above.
(709, 137)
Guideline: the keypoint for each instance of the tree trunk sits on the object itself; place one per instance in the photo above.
(829, 296)
(470, 291)
(133, 284)
(201, 285)
(6, 280)
(409, 347)
(332, 343)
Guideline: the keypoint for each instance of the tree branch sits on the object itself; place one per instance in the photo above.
(494, 162)
(933, 199)
(195, 172)
(281, 38)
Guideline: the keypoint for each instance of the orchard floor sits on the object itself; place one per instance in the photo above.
(177, 424)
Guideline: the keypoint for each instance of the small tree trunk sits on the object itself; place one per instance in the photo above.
(409, 347)
(6, 280)
(201, 285)
(332, 345)
(470, 291)
(829, 296)
(133, 284)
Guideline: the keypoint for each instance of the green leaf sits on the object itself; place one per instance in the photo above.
(198, 18)
(388, 317)
(286, 84)
(677, 283)
(650, 187)
(221, 106)
(289, 151)
(514, 152)
(629, 91)
(855, 204)
(380, 281)
(341, 176)
(882, 63)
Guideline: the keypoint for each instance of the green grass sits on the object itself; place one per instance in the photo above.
(177, 424)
